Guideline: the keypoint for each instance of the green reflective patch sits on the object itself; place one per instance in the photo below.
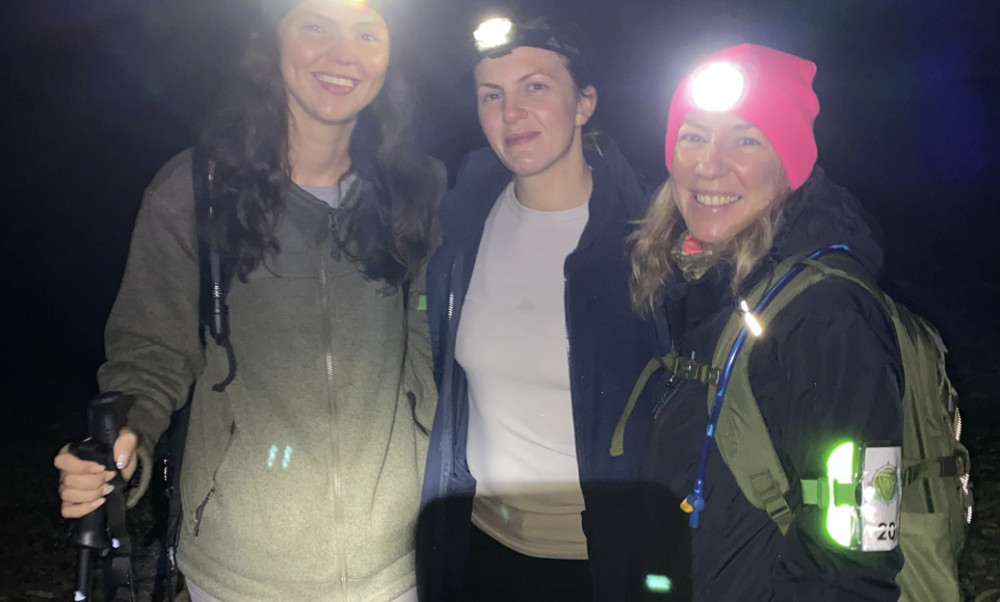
(840, 469)
(421, 302)
(659, 584)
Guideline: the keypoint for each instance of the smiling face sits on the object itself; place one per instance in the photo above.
(334, 56)
(530, 110)
(725, 174)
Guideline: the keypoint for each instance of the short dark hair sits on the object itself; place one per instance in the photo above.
(567, 33)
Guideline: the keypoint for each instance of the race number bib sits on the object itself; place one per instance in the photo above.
(881, 489)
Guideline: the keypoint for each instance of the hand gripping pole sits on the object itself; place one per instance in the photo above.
(102, 533)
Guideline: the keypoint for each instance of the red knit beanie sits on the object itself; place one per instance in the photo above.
(776, 96)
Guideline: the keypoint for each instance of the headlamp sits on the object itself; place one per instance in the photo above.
(499, 36)
(494, 33)
(718, 87)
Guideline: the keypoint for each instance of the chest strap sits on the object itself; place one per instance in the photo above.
(677, 366)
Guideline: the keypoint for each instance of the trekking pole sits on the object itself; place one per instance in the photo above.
(102, 532)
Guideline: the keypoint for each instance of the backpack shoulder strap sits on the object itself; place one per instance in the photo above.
(215, 272)
(742, 437)
(202, 207)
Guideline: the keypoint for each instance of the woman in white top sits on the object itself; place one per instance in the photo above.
(535, 346)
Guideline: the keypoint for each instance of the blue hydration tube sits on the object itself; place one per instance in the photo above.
(695, 502)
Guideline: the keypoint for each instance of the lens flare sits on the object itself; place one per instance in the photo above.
(718, 87)
(493, 33)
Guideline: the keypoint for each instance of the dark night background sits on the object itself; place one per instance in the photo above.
(97, 94)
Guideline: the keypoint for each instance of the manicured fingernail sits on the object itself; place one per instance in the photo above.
(122, 461)
(107, 489)
(99, 502)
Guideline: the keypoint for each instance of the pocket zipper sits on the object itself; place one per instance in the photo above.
(200, 509)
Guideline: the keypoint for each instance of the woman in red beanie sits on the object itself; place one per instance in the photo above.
(744, 195)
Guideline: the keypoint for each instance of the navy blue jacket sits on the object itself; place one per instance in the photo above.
(608, 348)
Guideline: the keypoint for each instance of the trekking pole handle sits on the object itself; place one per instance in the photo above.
(104, 423)
(90, 533)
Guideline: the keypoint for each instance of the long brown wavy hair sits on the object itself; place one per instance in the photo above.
(661, 230)
(390, 232)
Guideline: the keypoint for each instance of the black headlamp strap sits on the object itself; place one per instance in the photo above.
(546, 39)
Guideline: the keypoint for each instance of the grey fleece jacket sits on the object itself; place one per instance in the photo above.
(301, 480)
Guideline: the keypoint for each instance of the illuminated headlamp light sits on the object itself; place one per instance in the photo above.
(498, 36)
(494, 34)
(718, 87)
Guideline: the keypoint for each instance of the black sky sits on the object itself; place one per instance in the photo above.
(98, 93)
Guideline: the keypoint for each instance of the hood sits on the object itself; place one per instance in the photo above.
(822, 213)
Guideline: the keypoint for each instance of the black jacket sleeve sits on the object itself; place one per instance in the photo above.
(831, 371)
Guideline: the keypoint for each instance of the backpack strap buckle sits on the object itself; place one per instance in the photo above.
(688, 369)
(771, 498)
(954, 465)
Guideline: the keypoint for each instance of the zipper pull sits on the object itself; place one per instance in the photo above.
(201, 510)
(334, 239)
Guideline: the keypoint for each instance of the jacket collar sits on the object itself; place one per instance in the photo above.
(311, 215)
(483, 177)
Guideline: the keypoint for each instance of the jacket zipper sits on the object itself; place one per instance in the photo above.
(451, 292)
(336, 492)
(447, 376)
(572, 382)
(671, 389)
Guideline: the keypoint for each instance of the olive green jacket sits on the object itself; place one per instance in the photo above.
(301, 480)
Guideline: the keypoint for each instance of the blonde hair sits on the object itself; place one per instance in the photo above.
(660, 232)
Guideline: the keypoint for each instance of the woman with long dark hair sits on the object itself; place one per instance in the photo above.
(308, 420)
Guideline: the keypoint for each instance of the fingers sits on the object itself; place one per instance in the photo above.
(68, 463)
(84, 496)
(125, 456)
(74, 510)
(82, 484)
(89, 482)
(81, 494)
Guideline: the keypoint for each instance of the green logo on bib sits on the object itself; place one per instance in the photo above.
(884, 483)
